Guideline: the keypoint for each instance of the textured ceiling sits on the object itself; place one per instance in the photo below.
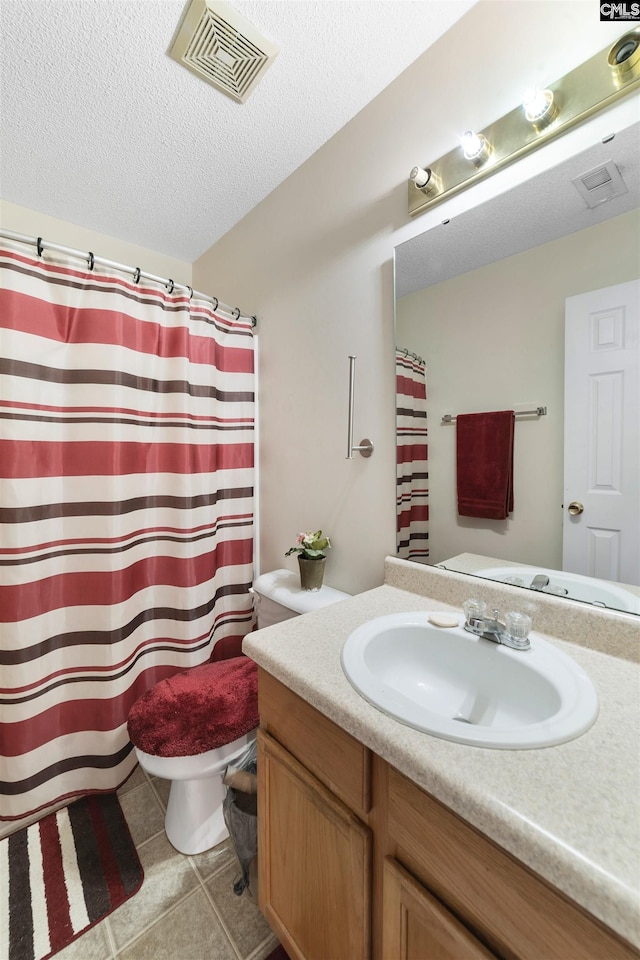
(540, 210)
(102, 129)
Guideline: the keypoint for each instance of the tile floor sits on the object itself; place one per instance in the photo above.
(186, 907)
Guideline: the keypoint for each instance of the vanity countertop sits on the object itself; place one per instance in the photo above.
(570, 812)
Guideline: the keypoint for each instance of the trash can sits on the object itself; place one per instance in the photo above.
(240, 811)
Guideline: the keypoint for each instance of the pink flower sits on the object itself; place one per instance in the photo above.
(311, 545)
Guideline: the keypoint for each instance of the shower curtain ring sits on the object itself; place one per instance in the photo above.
(215, 306)
(236, 313)
(39, 246)
(190, 289)
(170, 286)
(91, 261)
(136, 275)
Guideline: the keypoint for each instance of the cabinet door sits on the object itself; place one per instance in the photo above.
(416, 926)
(314, 862)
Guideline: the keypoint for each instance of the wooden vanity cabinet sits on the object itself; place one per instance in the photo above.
(356, 861)
(314, 866)
(417, 925)
(511, 910)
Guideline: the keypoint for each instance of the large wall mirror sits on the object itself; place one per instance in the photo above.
(486, 300)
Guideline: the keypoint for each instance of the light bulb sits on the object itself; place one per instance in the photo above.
(426, 180)
(420, 177)
(539, 106)
(475, 147)
(624, 58)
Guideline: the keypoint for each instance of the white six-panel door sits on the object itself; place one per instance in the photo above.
(601, 534)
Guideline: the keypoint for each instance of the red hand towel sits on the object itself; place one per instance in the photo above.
(485, 464)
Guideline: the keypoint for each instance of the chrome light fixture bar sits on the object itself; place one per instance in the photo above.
(542, 116)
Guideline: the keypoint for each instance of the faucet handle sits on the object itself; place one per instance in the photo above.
(517, 626)
(474, 609)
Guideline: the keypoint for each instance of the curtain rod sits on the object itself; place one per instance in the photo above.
(136, 272)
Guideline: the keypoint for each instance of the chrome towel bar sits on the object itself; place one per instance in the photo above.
(536, 412)
(365, 448)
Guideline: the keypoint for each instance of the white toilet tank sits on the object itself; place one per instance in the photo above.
(279, 597)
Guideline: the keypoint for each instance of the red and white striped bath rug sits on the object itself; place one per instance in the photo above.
(64, 874)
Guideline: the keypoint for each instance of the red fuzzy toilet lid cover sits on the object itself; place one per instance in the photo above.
(197, 710)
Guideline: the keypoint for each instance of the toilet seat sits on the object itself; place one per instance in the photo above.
(196, 710)
(197, 767)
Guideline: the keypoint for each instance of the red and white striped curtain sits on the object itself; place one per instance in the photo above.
(126, 512)
(412, 474)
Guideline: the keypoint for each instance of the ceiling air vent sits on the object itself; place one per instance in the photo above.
(600, 184)
(220, 46)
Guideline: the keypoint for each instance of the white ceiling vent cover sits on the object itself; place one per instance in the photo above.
(602, 183)
(220, 46)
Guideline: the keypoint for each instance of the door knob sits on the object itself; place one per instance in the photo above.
(575, 508)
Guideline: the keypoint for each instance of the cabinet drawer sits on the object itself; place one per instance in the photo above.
(333, 756)
(518, 913)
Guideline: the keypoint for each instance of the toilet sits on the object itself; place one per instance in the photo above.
(191, 726)
(278, 597)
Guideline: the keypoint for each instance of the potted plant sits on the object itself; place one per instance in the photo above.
(310, 548)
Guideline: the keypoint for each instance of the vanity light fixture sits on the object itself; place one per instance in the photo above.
(476, 148)
(425, 181)
(548, 113)
(540, 107)
(624, 57)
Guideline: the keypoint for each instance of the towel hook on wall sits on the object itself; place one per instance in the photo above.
(365, 447)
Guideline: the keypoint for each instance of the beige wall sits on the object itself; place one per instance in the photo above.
(314, 261)
(33, 224)
(500, 332)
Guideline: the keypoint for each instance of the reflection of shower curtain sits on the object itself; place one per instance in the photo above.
(412, 505)
(126, 516)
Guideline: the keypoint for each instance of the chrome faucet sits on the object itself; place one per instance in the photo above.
(539, 582)
(513, 634)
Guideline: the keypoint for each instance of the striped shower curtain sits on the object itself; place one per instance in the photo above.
(126, 512)
(412, 476)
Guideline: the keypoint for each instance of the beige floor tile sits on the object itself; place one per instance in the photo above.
(161, 788)
(168, 878)
(191, 931)
(143, 813)
(92, 945)
(264, 949)
(246, 925)
(137, 779)
(214, 860)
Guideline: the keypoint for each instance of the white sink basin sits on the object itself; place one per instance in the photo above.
(588, 589)
(454, 685)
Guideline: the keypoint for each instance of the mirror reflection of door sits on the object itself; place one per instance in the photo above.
(601, 529)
